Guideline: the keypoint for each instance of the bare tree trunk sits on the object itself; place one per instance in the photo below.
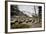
(35, 10)
(35, 14)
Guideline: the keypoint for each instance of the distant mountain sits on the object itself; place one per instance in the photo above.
(18, 13)
(21, 13)
(27, 13)
(15, 11)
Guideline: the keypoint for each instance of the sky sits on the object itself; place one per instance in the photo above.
(28, 9)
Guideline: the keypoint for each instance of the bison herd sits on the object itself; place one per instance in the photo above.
(21, 20)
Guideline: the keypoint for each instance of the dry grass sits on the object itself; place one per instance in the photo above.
(16, 26)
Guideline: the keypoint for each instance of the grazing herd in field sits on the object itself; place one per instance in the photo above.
(22, 20)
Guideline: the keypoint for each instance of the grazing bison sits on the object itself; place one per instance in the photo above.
(12, 23)
(33, 21)
(16, 21)
(30, 20)
(20, 22)
(26, 21)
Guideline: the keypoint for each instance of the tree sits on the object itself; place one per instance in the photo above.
(40, 11)
(14, 10)
(35, 10)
